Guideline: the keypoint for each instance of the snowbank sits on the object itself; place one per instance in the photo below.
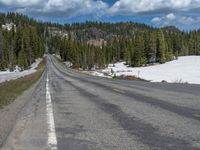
(68, 64)
(7, 75)
(57, 55)
(97, 73)
(184, 70)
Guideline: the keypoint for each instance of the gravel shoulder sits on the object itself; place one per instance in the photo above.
(10, 113)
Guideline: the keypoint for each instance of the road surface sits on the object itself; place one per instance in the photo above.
(68, 110)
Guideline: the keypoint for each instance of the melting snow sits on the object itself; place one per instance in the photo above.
(7, 75)
(185, 69)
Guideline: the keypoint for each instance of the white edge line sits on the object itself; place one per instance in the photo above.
(52, 140)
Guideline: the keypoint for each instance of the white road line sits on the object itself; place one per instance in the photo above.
(52, 140)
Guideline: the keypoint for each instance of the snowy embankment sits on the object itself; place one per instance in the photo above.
(7, 75)
(184, 70)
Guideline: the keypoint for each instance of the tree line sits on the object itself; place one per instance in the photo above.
(137, 45)
(21, 45)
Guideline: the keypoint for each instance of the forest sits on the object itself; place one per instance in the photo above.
(21, 45)
(137, 44)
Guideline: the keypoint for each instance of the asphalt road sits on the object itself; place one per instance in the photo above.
(73, 111)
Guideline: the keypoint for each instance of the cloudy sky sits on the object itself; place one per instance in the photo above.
(185, 14)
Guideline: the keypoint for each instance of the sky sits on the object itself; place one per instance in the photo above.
(185, 14)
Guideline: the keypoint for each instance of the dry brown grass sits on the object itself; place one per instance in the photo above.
(10, 90)
(130, 78)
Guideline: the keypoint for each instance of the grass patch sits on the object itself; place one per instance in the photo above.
(10, 90)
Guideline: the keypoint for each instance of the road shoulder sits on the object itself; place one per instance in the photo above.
(10, 113)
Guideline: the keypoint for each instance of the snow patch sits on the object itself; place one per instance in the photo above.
(68, 64)
(17, 69)
(57, 56)
(17, 73)
(184, 70)
(97, 73)
(9, 26)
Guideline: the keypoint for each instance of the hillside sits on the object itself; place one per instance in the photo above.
(91, 44)
(137, 44)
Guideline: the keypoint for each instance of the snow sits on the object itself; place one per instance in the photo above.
(97, 73)
(184, 70)
(7, 75)
(9, 26)
(57, 56)
(68, 63)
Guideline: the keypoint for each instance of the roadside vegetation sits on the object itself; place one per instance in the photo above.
(10, 90)
(129, 78)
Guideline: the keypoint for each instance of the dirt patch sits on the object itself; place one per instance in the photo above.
(130, 78)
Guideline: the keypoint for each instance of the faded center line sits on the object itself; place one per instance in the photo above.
(52, 140)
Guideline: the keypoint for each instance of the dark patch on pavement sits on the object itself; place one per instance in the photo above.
(72, 143)
(180, 110)
(146, 133)
(75, 144)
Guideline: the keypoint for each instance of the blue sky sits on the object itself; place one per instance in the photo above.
(182, 13)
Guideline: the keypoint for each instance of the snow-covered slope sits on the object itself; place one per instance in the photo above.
(6, 75)
(185, 69)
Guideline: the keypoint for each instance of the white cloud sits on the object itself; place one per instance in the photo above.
(171, 16)
(71, 8)
(181, 3)
(62, 8)
(169, 19)
(189, 20)
(172, 19)
(130, 7)
(22, 3)
(59, 9)
(156, 20)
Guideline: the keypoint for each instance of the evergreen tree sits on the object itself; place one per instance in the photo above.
(161, 47)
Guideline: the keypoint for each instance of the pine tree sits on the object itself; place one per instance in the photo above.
(1, 51)
(151, 50)
(161, 47)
